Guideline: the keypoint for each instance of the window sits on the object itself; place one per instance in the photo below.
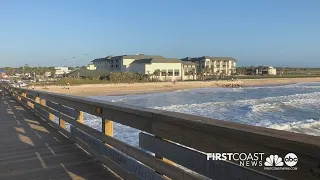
(111, 65)
(176, 72)
(111, 61)
(163, 72)
(170, 72)
(117, 65)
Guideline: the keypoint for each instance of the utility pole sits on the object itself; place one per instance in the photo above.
(85, 57)
(74, 61)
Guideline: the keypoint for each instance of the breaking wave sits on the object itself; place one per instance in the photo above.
(310, 127)
(294, 107)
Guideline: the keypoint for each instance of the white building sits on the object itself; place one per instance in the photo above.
(61, 70)
(215, 65)
(91, 67)
(170, 69)
(47, 74)
(272, 71)
(265, 70)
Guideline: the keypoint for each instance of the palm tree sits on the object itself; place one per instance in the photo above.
(206, 71)
(157, 73)
(212, 70)
(52, 71)
(150, 75)
(200, 74)
(9, 71)
(165, 77)
(193, 73)
(27, 69)
(188, 73)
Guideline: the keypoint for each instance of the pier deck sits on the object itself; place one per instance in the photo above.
(32, 149)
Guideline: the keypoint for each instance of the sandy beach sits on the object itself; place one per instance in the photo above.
(140, 88)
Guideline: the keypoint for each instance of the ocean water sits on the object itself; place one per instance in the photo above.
(294, 107)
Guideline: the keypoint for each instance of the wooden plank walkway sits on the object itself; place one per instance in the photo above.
(32, 149)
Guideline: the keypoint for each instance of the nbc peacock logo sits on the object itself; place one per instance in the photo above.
(273, 160)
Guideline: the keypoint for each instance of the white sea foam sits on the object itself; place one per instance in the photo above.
(287, 107)
(257, 104)
(311, 127)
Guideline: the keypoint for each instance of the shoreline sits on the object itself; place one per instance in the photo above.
(123, 89)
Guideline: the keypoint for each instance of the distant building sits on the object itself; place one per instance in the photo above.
(85, 73)
(265, 70)
(61, 70)
(189, 70)
(272, 71)
(47, 74)
(216, 65)
(170, 68)
(18, 74)
(91, 67)
(103, 63)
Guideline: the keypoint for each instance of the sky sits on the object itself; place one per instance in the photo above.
(255, 32)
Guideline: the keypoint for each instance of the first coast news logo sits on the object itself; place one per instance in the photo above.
(272, 162)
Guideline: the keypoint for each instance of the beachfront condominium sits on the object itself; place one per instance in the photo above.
(61, 70)
(214, 65)
(167, 69)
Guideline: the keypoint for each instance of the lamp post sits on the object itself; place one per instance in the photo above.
(86, 58)
(74, 61)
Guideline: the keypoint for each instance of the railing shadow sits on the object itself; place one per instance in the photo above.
(32, 149)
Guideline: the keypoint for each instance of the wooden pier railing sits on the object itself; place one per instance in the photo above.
(177, 140)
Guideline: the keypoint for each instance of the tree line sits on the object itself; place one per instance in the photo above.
(28, 69)
(283, 70)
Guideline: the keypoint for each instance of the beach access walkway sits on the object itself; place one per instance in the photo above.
(32, 149)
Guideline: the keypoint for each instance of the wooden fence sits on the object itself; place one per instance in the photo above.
(176, 139)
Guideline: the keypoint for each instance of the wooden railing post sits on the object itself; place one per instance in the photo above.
(51, 116)
(43, 102)
(80, 117)
(37, 100)
(107, 127)
(24, 95)
(62, 123)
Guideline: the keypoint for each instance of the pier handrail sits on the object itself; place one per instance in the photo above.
(200, 133)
